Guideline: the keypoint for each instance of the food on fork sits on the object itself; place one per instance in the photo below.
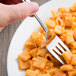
(36, 59)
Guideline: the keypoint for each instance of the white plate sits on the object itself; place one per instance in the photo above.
(24, 31)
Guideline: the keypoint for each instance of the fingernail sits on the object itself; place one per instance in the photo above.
(34, 7)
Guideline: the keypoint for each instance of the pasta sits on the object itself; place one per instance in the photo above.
(68, 36)
(32, 73)
(39, 39)
(23, 65)
(75, 33)
(72, 73)
(67, 56)
(33, 52)
(66, 67)
(39, 62)
(42, 52)
(58, 30)
(36, 59)
(24, 55)
(73, 61)
(30, 44)
(60, 22)
(50, 23)
(49, 64)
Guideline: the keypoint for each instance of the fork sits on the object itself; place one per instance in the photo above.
(56, 46)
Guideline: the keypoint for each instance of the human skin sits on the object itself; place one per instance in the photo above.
(15, 12)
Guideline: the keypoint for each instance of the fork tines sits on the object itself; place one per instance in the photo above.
(57, 47)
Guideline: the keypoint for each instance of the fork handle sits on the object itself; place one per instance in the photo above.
(41, 23)
(38, 19)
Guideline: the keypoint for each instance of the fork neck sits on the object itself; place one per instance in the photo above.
(41, 23)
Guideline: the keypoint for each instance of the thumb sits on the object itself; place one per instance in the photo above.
(12, 13)
(22, 10)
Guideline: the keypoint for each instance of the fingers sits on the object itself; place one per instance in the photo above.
(22, 10)
(12, 13)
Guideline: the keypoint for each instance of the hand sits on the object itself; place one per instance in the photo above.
(12, 13)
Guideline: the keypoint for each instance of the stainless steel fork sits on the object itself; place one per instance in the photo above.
(56, 46)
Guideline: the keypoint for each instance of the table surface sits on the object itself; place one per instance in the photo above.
(5, 39)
